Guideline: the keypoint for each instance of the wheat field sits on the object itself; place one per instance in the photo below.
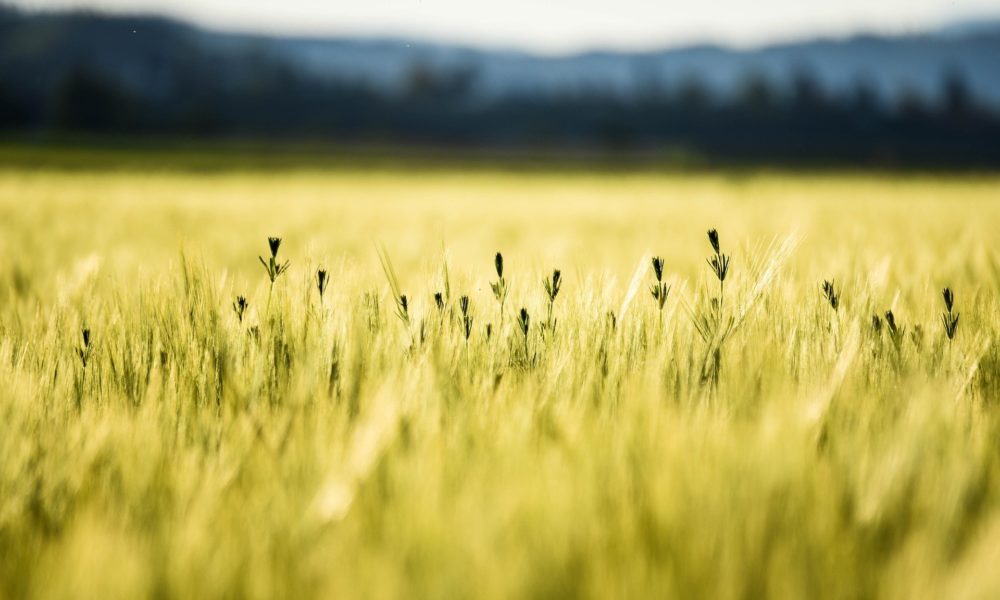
(761, 443)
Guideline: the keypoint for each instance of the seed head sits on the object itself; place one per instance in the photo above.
(463, 304)
(949, 318)
(876, 324)
(499, 286)
(439, 300)
(240, 307)
(896, 332)
(322, 280)
(403, 309)
(831, 295)
(274, 243)
(949, 299)
(84, 351)
(523, 321)
(273, 268)
(713, 238)
(658, 268)
(719, 262)
(553, 285)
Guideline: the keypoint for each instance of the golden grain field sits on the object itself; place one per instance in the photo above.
(342, 447)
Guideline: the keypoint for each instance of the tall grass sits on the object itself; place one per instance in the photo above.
(737, 436)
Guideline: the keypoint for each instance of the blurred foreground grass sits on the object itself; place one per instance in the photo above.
(327, 449)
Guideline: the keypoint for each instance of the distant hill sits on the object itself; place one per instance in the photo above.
(924, 100)
(157, 55)
(889, 64)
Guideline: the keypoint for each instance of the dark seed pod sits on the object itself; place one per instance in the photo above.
(240, 307)
(322, 280)
(274, 243)
(713, 238)
(658, 268)
(949, 299)
(553, 285)
(831, 295)
(949, 318)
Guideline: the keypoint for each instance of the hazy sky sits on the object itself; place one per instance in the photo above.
(561, 25)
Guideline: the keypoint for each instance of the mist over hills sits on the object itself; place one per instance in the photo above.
(146, 49)
(78, 70)
(891, 64)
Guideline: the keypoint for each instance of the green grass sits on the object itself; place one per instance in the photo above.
(130, 154)
(334, 450)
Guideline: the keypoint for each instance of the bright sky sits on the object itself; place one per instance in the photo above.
(555, 26)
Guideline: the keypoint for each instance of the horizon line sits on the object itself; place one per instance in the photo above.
(388, 35)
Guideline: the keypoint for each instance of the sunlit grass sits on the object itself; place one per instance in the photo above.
(403, 412)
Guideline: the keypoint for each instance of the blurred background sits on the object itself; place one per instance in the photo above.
(897, 85)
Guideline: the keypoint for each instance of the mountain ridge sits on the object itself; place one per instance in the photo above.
(913, 63)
